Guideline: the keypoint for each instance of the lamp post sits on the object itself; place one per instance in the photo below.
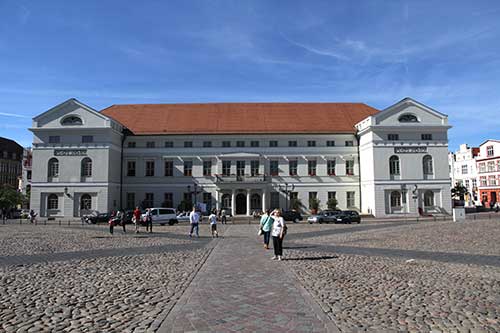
(286, 191)
(195, 192)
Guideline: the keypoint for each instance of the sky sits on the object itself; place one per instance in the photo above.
(444, 54)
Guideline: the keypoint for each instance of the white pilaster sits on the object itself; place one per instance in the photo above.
(217, 203)
(248, 202)
(233, 202)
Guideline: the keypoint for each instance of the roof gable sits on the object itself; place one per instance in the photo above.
(409, 107)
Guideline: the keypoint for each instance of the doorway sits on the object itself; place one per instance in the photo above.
(241, 204)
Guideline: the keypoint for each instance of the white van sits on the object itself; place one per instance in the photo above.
(162, 216)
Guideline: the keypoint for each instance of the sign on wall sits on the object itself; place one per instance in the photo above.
(70, 152)
(410, 150)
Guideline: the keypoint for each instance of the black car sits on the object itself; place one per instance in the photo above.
(291, 215)
(348, 216)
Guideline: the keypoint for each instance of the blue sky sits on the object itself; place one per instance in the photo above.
(376, 52)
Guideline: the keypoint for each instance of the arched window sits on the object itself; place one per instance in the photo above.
(428, 198)
(427, 165)
(395, 199)
(71, 121)
(52, 202)
(53, 167)
(86, 202)
(86, 167)
(408, 118)
(255, 202)
(394, 165)
(226, 201)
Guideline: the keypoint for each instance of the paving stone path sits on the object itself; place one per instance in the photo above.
(240, 289)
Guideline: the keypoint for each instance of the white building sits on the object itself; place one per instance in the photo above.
(462, 166)
(239, 156)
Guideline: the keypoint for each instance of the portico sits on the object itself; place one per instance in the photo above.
(241, 201)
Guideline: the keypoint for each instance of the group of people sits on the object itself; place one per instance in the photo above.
(273, 225)
(195, 219)
(120, 218)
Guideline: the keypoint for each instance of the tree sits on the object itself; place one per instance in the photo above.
(314, 204)
(332, 203)
(185, 206)
(295, 203)
(9, 197)
(459, 191)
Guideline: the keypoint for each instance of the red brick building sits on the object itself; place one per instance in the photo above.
(488, 168)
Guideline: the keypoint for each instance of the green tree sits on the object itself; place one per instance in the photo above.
(185, 206)
(332, 203)
(459, 191)
(314, 204)
(9, 197)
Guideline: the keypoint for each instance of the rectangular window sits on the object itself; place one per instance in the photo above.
(169, 168)
(240, 143)
(275, 200)
(311, 143)
(312, 195)
(130, 200)
(254, 167)
(426, 136)
(498, 165)
(489, 151)
(28, 174)
(87, 139)
(311, 167)
(150, 168)
(168, 200)
(207, 199)
(393, 137)
(240, 168)
(54, 139)
(150, 144)
(169, 144)
(274, 167)
(349, 143)
(53, 202)
(492, 180)
(273, 143)
(292, 143)
(330, 143)
(254, 143)
(292, 167)
(207, 168)
(188, 144)
(226, 144)
(491, 166)
(131, 168)
(207, 144)
(226, 168)
(474, 183)
(467, 183)
(332, 195)
(188, 168)
(131, 144)
(350, 199)
(149, 200)
(464, 169)
(349, 167)
(330, 166)
(482, 167)
(482, 181)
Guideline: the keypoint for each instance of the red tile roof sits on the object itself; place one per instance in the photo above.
(235, 118)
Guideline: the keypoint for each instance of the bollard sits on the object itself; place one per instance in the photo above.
(59, 222)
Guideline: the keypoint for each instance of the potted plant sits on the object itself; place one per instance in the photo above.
(295, 204)
(314, 205)
(332, 203)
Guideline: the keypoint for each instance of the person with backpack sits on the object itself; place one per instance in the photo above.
(278, 232)
(266, 224)
(149, 220)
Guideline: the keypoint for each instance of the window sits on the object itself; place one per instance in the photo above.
(349, 167)
(491, 166)
(148, 200)
(169, 168)
(408, 118)
(169, 144)
(71, 121)
(52, 201)
(275, 200)
(53, 167)
(188, 168)
(312, 195)
(207, 168)
(131, 168)
(28, 174)
(311, 143)
(498, 165)
(150, 144)
(188, 196)
(254, 143)
(467, 183)
(273, 143)
(254, 167)
(273, 167)
(330, 143)
(489, 151)
(207, 199)
(130, 200)
(87, 139)
(482, 181)
(428, 199)
(54, 139)
(226, 168)
(332, 195)
(349, 143)
(464, 169)
(86, 169)
(395, 199)
(330, 166)
(474, 184)
(393, 137)
(350, 200)
(168, 199)
(292, 143)
(240, 143)
(427, 165)
(226, 144)
(394, 168)
(482, 167)
(292, 167)
(86, 202)
(131, 144)
(311, 167)
(426, 136)
(150, 168)
(240, 168)
(207, 144)
(492, 180)
(188, 144)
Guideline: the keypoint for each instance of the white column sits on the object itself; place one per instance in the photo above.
(233, 202)
(248, 202)
(217, 204)
(264, 200)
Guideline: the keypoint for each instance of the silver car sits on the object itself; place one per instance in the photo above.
(325, 216)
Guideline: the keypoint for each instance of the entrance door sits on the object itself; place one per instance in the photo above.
(241, 204)
(493, 198)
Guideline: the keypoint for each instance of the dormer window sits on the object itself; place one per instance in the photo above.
(408, 118)
(71, 121)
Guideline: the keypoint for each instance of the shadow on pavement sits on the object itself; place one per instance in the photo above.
(312, 258)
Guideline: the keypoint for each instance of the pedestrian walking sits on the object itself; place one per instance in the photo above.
(278, 233)
(213, 224)
(123, 221)
(137, 219)
(32, 216)
(194, 220)
(266, 224)
(148, 218)
(111, 222)
(223, 216)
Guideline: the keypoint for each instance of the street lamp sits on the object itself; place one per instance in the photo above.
(195, 192)
(286, 191)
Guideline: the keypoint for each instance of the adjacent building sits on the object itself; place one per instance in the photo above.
(11, 154)
(463, 171)
(488, 168)
(240, 156)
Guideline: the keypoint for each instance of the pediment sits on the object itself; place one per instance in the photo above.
(409, 112)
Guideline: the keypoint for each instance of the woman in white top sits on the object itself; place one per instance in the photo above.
(213, 224)
(278, 234)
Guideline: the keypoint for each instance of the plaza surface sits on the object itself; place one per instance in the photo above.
(399, 276)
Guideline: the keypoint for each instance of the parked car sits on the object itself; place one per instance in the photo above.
(325, 216)
(96, 217)
(183, 217)
(348, 216)
(162, 216)
(292, 215)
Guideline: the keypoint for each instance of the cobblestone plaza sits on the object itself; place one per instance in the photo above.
(378, 276)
